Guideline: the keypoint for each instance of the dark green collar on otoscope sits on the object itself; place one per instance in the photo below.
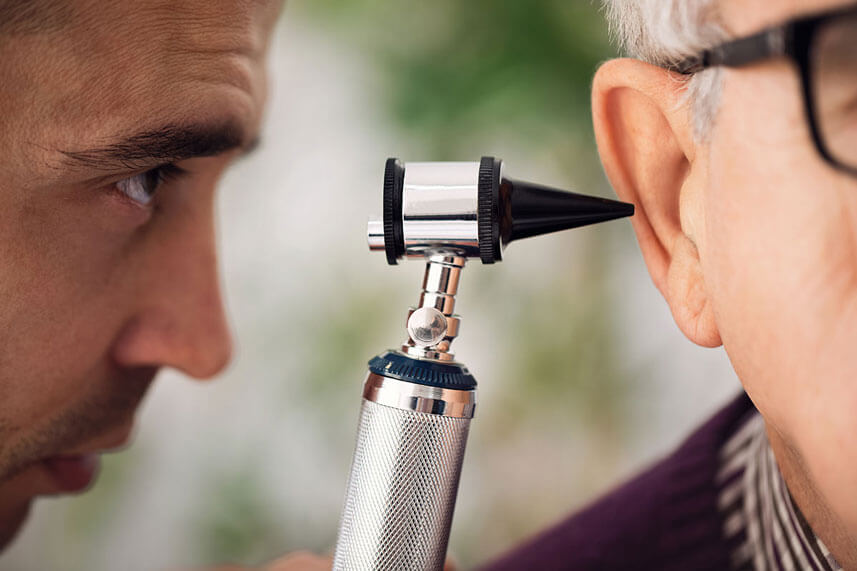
(444, 375)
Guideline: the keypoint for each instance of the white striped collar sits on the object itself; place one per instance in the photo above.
(760, 520)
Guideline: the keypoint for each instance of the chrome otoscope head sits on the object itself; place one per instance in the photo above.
(473, 209)
(449, 212)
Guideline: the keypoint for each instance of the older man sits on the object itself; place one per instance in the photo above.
(735, 133)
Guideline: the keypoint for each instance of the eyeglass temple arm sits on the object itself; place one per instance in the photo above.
(765, 44)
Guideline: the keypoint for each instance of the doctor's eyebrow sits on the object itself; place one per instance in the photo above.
(166, 144)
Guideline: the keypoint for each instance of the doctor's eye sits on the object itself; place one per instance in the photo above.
(142, 187)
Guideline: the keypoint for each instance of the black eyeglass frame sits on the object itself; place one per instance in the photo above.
(793, 39)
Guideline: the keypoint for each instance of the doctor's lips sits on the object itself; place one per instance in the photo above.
(76, 471)
(99, 426)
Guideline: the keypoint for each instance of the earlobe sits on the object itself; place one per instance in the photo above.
(688, 300)
(645, 140)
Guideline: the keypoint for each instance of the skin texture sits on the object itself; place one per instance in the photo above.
(751, 239)
(97, 292)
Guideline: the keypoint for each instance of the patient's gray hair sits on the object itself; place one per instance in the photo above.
(663, 32)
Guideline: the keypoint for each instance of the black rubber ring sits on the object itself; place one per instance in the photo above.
(394, 236)
(422, 372)
(488, 217)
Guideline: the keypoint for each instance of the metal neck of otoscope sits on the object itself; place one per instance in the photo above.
(417, 400)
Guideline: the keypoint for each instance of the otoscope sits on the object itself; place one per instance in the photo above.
(418, 401)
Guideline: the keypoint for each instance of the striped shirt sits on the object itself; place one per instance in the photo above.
(761, 522)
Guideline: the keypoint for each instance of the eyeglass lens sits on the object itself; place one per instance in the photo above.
(834, 87)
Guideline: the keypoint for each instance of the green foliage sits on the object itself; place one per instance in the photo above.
(341, 337)
(238, 524)
(564, 356)
(463, 75)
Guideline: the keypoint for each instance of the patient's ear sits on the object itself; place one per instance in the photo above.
(645, 138)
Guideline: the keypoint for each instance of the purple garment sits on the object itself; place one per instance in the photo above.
(665, 518)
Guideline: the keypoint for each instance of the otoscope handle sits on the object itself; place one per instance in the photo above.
(404, 475)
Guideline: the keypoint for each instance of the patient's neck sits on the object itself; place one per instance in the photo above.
(823, 520)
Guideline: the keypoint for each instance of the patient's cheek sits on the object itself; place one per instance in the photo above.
(782, 260)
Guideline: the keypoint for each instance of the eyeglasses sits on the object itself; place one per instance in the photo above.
(824, 47)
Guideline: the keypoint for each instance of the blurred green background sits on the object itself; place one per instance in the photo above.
(583, 377)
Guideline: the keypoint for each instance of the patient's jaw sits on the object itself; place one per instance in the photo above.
(121, 118)
(752, 239)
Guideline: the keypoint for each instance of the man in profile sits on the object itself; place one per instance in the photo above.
(117, 120)
(734, 132)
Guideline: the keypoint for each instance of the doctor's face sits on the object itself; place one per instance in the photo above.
(118, 118)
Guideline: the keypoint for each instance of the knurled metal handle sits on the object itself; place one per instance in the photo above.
(404, 476)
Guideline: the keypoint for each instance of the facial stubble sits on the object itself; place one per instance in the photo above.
(96, 415)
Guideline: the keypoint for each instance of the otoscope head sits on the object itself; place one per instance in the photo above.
(474, 209)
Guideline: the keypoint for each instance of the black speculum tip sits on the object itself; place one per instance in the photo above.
(511, 209)
(532, 209)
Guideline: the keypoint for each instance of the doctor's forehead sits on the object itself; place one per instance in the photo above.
(197, 17)
(88, 70)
